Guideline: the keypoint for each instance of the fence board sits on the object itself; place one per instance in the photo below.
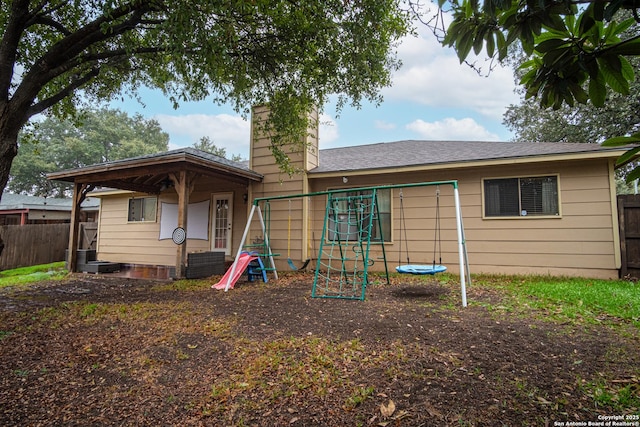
(33, 244)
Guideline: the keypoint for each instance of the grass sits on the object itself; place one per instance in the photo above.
(36, 273)
(568, 298)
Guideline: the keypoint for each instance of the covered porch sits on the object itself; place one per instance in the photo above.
(153, 174)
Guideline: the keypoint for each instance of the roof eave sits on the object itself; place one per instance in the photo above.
(70, 175)
(608, 154)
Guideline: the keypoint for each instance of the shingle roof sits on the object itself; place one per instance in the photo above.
(20, 201)
(192, 152)
(420, 153)
(160, 161)
(185, 151)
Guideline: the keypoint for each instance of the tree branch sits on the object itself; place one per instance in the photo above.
(46, 20)
(61, 54)
(105, 55)
(52, 100)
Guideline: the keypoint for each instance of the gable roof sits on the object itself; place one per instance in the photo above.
(415, 153)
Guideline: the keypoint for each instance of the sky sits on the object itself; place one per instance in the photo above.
(432, 97)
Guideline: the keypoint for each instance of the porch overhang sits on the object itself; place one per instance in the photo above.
(151, 174)
(148, 174)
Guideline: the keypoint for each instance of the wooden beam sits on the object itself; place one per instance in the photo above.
(132, 186)
(181, 185)
(80, 191)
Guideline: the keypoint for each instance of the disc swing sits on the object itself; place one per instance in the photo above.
(409, 268)
(289, 260)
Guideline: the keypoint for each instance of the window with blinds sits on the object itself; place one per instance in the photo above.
(532, 196)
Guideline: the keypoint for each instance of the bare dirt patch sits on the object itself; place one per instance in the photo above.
(110, 351)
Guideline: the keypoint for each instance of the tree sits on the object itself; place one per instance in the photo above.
(578, 52)
(56, 55)
(207, 145)
(100, 136)
(581, 123)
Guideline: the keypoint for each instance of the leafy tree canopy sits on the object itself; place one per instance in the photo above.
(57, 55)
(579, 50)
(578, 53)
(583, 123)
(207, 145)
(99, 136)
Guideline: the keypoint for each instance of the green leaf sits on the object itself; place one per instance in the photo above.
(558, 59)
(622, 140)
(453, 32)
(578, 93)
(611, 69)
(527, 38)
(597, 90)
(612, 8)
(554, 24)
(633, 175)
(490, 43)
(586, 21)
(629, 155)
(464, 45)
(549, 45)
(478, 42)
(627, 69)
(630, 48)
(501, 45)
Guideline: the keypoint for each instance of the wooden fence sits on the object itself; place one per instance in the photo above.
(33, 244)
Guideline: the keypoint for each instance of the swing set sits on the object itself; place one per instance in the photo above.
(409, 268)
(352, 224)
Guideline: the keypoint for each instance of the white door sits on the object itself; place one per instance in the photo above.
(221, 218)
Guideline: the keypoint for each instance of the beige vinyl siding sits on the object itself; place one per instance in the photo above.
(138, 242)
(130, 242)
(276, 183)
(581, 241)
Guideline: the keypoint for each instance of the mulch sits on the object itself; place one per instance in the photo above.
(158, 352)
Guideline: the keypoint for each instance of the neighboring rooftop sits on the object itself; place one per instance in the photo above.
(20, 201)
(419, 153)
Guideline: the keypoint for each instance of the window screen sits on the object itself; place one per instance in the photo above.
(351, 213)
(521, 196)
(142, 209)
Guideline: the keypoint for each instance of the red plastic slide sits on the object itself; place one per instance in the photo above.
(241, 265)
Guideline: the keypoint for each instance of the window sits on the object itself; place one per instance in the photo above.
(142, 209)
(535, 196)
(351, 213)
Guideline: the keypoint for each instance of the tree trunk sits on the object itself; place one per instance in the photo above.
(9, 129)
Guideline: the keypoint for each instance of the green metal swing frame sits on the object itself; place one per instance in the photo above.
(353, 285)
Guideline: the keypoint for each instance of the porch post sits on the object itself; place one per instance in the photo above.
(79, 194)
(182, 188)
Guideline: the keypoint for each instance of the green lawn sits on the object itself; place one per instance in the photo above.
(592, 300)
(35, 273)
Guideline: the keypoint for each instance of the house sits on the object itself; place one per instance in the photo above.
(527, 208)
(19, 209)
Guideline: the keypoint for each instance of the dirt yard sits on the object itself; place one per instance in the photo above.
(106, 351)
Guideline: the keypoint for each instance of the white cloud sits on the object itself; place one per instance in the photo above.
(432, 75)
(328, 132)
(384, 125)
(226, 131)
(451, 129)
